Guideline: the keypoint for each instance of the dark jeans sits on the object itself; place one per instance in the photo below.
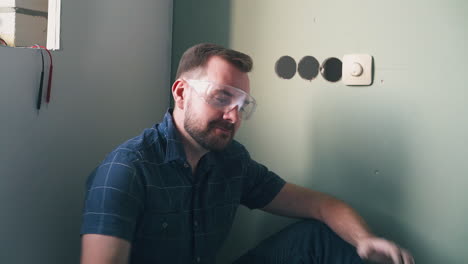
(305, 242)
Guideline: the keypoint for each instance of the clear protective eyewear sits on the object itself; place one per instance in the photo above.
(224, 97)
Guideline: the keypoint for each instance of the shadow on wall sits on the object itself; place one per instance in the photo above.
(360, 156)
(196, 23)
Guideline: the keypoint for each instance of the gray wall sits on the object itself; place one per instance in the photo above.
(396, 150)
(111, 80)
(189, 27)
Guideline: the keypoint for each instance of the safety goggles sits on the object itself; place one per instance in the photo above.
(224, 97)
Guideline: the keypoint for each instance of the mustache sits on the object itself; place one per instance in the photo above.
(222, 124)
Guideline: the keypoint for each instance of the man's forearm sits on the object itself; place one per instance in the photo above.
(344, 220)
(102, 249)
(297, 201)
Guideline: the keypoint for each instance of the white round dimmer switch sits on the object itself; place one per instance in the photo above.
(356, 69)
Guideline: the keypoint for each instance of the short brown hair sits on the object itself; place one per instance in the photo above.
(197, 56)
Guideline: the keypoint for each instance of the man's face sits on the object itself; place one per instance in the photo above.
(211, 128)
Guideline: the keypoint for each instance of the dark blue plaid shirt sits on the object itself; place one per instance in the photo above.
(145, 192)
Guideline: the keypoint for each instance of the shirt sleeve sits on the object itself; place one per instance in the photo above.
(260, 185)
(114, 197)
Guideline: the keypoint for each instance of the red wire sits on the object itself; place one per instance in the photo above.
(51, 68)
(3, 42)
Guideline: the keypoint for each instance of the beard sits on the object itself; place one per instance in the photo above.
(207, 136)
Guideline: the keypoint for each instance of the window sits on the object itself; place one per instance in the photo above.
(24, 23)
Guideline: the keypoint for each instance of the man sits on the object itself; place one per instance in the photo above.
(170, 194)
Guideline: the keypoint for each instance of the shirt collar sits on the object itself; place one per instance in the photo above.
(174, 147)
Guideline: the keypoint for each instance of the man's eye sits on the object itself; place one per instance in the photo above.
(221, 99)
(244, 106)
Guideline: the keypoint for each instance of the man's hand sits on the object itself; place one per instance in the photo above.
(383, 251)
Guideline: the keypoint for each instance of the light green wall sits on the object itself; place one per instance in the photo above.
(396, 150)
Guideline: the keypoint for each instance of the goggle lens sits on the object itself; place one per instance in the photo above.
(225, 97)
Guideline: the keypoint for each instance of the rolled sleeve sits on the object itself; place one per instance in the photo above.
(260, 186)
(114, 198)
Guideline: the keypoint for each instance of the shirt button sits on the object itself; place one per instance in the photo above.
(195, 223)
(164, 225)
(198, 259)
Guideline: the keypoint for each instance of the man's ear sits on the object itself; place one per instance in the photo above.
(179, 92)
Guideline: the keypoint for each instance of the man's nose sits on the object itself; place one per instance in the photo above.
(232, 115)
